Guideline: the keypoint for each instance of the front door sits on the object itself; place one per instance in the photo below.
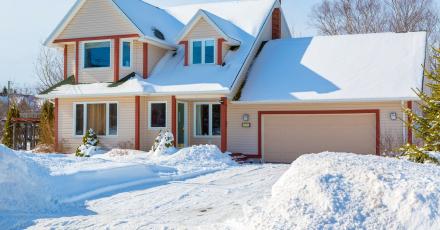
(181, 125)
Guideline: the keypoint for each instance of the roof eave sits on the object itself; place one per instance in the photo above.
(390, 99)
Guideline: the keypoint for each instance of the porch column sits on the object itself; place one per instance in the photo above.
(55, 125)
(223, 124)
(174, 118)
(137, 122)
(116, 60)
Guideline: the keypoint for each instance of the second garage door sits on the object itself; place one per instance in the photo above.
(287, 136)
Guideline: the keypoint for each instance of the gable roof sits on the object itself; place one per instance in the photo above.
(223, 27)
(365, 67)
(139, 14)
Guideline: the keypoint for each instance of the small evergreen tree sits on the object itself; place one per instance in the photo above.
(7, 138)
(164, 143)
(47, 119)
(90, 141)
(427, 125)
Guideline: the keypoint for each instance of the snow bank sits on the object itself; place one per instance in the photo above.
(23, 184)
(347, 191)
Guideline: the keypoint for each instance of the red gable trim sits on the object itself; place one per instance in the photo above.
(374, 111)
(220, 51)
(145, 61)
(65, 62)
(76, 62)
(185, 44)
(96, 38)
(116, 59)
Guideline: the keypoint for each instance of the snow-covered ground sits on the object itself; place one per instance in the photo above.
(199, 187)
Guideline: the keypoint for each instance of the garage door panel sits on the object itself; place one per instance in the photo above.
(287, 136)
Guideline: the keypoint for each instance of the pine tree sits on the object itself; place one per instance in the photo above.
(7, 138)
(90, 140)
(46, 131)
(427, 125)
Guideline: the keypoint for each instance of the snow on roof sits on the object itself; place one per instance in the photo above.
(132, 87)
(149, 18)
(382, 66)
(243, 20)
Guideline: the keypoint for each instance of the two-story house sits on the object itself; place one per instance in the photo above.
(227, 73)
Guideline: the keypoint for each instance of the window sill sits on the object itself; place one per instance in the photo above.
(207, 136)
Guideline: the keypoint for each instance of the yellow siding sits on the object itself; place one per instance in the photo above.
(126, 124)
(154, 55)
(70, 60)
(97, 18)
(245, 140)
(147, 135)
(202, 29)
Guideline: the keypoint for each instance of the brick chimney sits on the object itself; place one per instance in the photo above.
(276, 23)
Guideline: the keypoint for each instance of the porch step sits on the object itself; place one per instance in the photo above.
(238, 157)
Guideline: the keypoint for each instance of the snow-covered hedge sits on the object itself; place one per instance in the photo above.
(348, 191)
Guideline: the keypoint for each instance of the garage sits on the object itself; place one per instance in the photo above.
(285, 135)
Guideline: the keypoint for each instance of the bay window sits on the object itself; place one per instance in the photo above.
(157, 115)
(97, 54)
(203, 51)
(101, 117)
(207, 119)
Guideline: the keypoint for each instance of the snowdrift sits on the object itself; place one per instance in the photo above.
(348, 191)
(23, 184)
(40, 182)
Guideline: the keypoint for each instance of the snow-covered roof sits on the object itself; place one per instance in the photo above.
(365, 67)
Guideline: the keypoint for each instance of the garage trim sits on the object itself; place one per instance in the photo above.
(364, 111)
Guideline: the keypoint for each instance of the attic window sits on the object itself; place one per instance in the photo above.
(158, 34)
(203, 51)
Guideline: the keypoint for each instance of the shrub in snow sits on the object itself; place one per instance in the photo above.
(349, 191)
(89, 146)
(164, 143)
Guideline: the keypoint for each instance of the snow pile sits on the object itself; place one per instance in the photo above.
(23, 184)
(348, 191)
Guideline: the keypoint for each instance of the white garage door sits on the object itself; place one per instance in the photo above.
(287, 136)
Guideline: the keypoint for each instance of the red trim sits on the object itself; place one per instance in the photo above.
(137, 122)
(224, 124)
(30, 120)
(185, 44)
(174, 118)
(220, 51)
(410, 131)
(116, 59)
(95, 38)
(65, 62)
(276, 23)
(374, 111)
(76, 62)
(145, 61)
(56, 124)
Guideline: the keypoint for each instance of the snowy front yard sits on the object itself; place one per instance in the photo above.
(199, 187)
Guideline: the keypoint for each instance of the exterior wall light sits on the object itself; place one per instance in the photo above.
(393, 116)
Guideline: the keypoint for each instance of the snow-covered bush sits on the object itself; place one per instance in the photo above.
(164, 143)
(89, 146)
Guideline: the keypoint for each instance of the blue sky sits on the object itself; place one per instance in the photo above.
(27, 23)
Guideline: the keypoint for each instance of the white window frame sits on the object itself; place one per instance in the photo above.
(149, 114)
(203, 51)
(83, 52)
(107, 117)
(210, 119)
(121, 51)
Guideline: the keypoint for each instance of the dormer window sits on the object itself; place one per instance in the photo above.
(203, 51)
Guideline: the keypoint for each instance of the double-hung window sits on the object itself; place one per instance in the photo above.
(97, 54)
(157, 115)
(126, 53)
(101, 117)
(207, 119)
(203, 51)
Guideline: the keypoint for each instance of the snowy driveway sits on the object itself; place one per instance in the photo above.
(205, 201)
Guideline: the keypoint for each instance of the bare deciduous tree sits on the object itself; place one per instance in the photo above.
(332, 17)
(48, 68)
